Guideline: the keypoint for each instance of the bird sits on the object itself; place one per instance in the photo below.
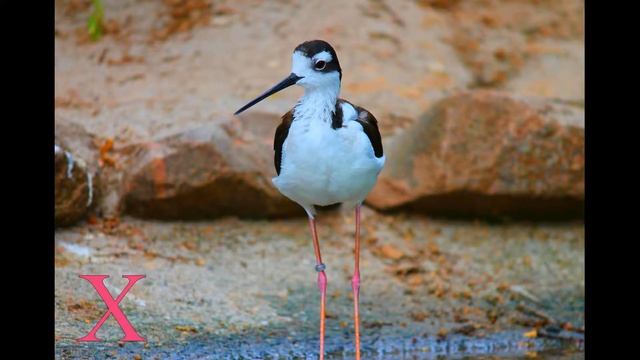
(327, 151)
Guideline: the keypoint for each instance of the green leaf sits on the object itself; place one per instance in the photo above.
(94, 24)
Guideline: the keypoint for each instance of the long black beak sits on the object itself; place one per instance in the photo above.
(290, 80)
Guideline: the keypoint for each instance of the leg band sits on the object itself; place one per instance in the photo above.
(320, 267)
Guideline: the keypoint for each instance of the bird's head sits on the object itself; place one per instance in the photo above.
(314, 65)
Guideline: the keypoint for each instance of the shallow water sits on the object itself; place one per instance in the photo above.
(252, 346)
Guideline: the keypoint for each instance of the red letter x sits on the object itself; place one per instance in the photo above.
(97, 281)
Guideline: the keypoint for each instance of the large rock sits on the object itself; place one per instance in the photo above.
(77, 176)
(486, 154)
(85, 145)
(221, 169)
(73, 188)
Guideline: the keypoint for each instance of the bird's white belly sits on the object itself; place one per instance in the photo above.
(323, 166)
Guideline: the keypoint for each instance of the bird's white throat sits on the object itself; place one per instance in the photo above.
(317, 103)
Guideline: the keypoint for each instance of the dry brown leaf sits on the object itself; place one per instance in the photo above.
(415, 280)
(467, 329)
(105, 158)
(186, 328)
(189, 245)
(419, 315)
(390, 252)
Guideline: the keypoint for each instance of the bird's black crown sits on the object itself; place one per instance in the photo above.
(312, 47)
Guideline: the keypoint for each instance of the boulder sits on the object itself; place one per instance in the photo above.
(487, 154)
(73, 188)
(220, 169)
(77, 176)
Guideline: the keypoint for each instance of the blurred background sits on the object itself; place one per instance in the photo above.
(473, 234)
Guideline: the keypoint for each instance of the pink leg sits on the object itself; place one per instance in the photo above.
(355, 284)
(322, 282)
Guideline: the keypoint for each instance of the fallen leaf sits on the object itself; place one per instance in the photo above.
(390, 252)
(419, 315)
(433, 248)
(374, 324)
(415, 280)
(492, 316)
(468, 329)
(503, 286)
(92, 219)
(189, 245)
(106, 146)
(405, 270)
(408, 235)
(466, 294)
(186, 328)
(61, 262)
(105, 158)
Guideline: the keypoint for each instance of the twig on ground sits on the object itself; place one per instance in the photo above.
(537, 313)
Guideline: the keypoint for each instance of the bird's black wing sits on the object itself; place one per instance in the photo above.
(281, 135)
(370, 127)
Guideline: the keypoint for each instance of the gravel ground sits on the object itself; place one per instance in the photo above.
(246, 289)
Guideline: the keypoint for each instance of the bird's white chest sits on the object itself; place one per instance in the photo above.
(322, 165)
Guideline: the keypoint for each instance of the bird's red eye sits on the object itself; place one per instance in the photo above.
(320, 65)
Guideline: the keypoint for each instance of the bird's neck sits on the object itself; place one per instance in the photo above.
(317, 104)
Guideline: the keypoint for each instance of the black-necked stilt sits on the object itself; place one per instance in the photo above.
(327, 151)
